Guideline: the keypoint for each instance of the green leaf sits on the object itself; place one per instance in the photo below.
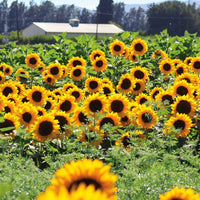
(7, 129)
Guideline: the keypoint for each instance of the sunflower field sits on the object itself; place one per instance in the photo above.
(113, 118)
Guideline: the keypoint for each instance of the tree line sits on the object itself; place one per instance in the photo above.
(174, 15)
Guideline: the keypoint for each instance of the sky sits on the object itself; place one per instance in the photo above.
(89, 4)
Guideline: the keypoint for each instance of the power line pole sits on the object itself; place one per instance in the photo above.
(6, 22)
(17, 21)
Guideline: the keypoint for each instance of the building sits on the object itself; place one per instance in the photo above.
(73, 28)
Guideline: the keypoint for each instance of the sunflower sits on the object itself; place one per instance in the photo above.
(45, 73)
(100, 64)
(139, 46)
(124, 141)
(9, 107)
(118, 104)
(185, 105)
(21, 75)
(183, 88)
(117, 47)
(180, 121)
(107, 81)
(57, 92)
(126, 84)
(95, 103)
(67, 104)
(20, 88)
(107, 89)
(78, 93)
(37, 95)
(14, 98)
(166, 97)
(77, 73)
(126, 52)
(91, 135)
(41, 67)
(51, 95)
(7, 88)
(146, 117)
(2, 77)
(166, 66)
(79, 118)
(126, 119)
(65, 71)
(139, 87)
(33, 60)
(49, 79)
(2, 65)
(76, 61)
(27, 114)
(96, 54)
(10, 120)
(140, 73)
(178, 194)
(87, 171)
(141, 98)
(49, 104)
(176, 62)
(188, 60)
(159, 54)
(111, 118)
(190, 78)
(40, 111)
(133, 57)
(68, 86)
(155, 91)
(180, 69)
(55, 70)
(82, 192)
(195, 65)
(93, 84)
(8, 70)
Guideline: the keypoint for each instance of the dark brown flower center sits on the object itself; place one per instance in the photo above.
(126, 141)
(83, 118)
(77, 72)
(139, 74)
(179, 124)
(134, 57)
(0, 78)
(106, 90)
(1, 68)
(99, 63)
(187, 79)
(166, 66)
(179, 70)
(7, 90)
(124, 119)
(146, 117)
(96, 55)
(168, 98)
(25, 100)
(106, 120)
(137, 87)
(76, 94)
(7, 109)
(126, 84)
(49, 79)
(181, 90)
(143, 100)
(27, 117)
(48, 105)
(37, 96)
(66, 106)
(76, 62)
(139, 47)
(86, 181)
(117, 48)
(183, 107)
(189, 61)
(45, 128)
(155, 93)
(32, 61)
(54, 70)
(40, 113)
(93, 85)
(197, 65)
(95, 105)
(117, 106)
(7, 70)
(61, 121)
(5, 124)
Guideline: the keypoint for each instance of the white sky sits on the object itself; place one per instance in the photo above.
(89, 4)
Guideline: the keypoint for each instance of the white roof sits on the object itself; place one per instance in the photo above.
(82, 28)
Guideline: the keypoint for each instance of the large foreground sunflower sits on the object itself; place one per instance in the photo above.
(88, 172)
(181, 122)
(117, 47)
(46, 127)
(139, 46)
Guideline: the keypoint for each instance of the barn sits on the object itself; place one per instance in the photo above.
(73, 28)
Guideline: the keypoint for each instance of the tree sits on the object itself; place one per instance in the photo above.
(85, 16)
(118, 13)
(173, 15)
(105, 11)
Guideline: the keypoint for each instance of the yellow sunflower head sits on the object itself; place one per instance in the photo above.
(76, 61)
(133, 57)
(68, 86)
(95, 54)
(33, 60)
(45, 127)
(8, 70)
(155, 91)
(188, 60)
(166, 66)
(79, 118)
(49, 104)
(93, 84)
(159, 54)
(139, 46)
(22, 75)
(117, 47)
(195, 65)
(41, 67)
(100, 64)
(165, 97)
(55, 70)
(78, 93)
(49, 79)
(9, 106)
(126, 119)
(139, 87)
(88, 172)
(8, 87)
(142, 98)
(126, 52)
(77, 73)
(140, 73)
(124, 141)
(180, 69)
(107, 89)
